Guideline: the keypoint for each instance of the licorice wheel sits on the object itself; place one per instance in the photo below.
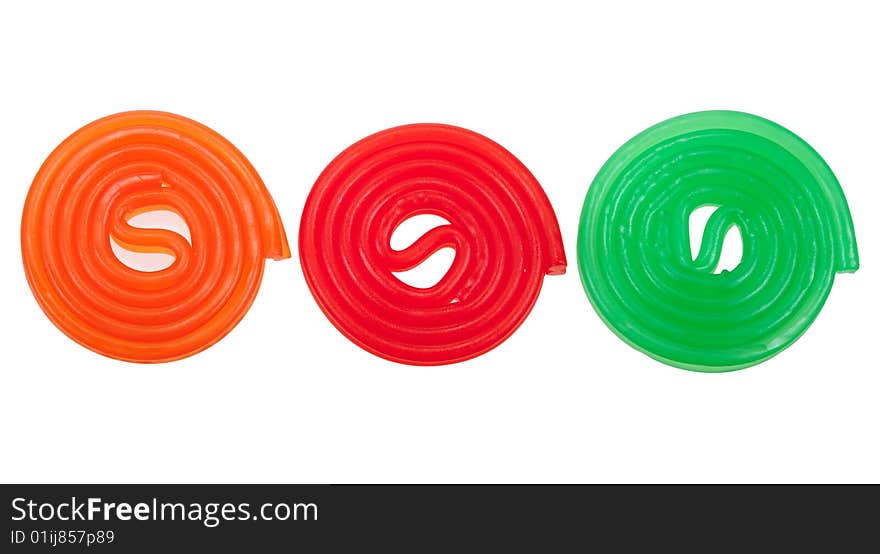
(113, 169)
(501, 225)
(633, 247)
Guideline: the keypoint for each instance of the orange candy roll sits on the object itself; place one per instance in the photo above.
(129, 163)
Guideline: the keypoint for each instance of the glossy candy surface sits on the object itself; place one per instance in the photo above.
(123, 165)
(501, 225)
(634, 251)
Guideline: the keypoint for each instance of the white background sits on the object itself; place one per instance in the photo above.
(285, 398)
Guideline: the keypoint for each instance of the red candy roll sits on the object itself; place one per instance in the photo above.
(501, 225)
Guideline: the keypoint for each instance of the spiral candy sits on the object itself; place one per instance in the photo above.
(126, 164)
(501, 225)
(633, 247)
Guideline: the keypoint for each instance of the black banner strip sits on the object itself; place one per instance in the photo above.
(414, 518)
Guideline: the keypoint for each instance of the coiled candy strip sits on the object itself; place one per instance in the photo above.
(633, 247)
(501, 225)
(126, 164)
